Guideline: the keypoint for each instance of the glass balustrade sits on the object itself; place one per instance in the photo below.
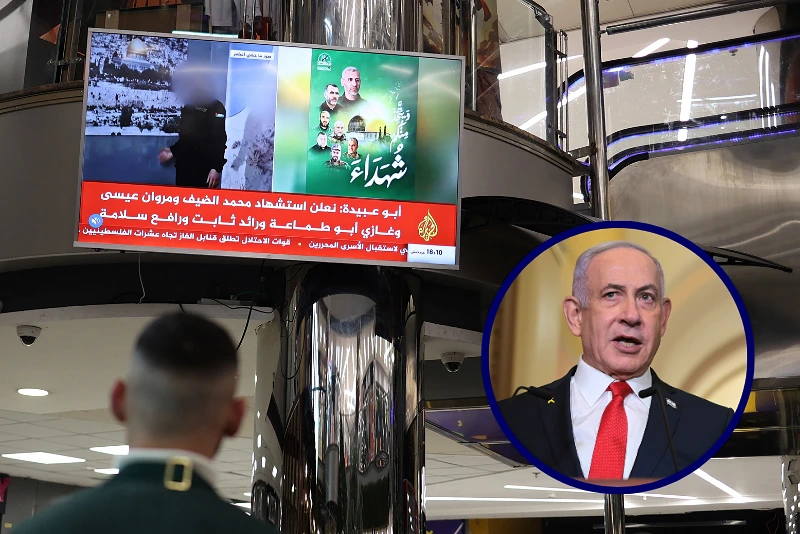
(719, 93)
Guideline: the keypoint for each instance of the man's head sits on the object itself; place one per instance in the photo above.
(338, 128)
(618, 308)
(331, 95)
(336, 153)
(352, 146)
(180, 390)
(351, 81)
(322, 140)
(324, 119)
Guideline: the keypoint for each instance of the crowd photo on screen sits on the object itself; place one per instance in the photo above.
(173, 111)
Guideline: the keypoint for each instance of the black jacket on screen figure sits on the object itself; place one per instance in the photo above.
(545, 429)
(201, 144)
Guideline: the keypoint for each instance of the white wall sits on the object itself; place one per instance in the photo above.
(14, 30)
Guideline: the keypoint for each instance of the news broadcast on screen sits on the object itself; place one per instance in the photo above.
(238, 148)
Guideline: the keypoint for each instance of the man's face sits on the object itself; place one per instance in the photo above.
(325, 118)
(332, 96)
(336, 154)
(338, 129)
(351, 80)
(352, 146)
(622, 325)
(322, 140)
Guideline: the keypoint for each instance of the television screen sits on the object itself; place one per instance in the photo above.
(230, 147)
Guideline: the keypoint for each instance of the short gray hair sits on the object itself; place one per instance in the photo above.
(164, 403)
(580, 284)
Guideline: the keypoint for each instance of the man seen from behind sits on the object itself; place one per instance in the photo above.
(178, 404)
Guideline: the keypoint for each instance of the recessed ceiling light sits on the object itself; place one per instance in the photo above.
(111, 471)
(32, 392)
(114, 450)
(43, 458)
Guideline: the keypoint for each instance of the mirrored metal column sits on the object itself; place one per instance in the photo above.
(790, 465)
(353, 450)
(376, 24)
(267, 460)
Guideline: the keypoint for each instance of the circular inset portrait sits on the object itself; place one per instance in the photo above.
(618, 357)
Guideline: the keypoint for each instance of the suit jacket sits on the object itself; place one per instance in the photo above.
(545, 429)
(136, 501)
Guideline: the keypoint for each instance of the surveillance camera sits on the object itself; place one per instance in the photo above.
(452, 361)
(28, 334)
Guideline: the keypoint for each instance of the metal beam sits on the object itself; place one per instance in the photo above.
(592, 58)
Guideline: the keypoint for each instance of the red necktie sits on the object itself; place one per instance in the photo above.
(608, 458)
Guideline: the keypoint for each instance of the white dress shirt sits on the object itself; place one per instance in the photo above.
(589, 398)
(201, 465)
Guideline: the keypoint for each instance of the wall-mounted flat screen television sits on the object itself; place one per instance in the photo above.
(201, 145)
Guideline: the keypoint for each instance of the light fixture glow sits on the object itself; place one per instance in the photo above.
(714, 482)
(43, 458)
(688, 83)
(508, 499)
(111, 471)
(529, 68)
(541, 116)
(733, 97)
(248, 494)
(571, 490)
(263, 462)
(242, 504)
(33, 392)
(114, 450)
(274, 472)
(224, 35)
(259, 440)
(683, 134)
(649, 49)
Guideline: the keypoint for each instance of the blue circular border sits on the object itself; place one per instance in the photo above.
(498, 299)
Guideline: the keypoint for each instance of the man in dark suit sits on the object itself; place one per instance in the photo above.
(178, 404)
(592, 423)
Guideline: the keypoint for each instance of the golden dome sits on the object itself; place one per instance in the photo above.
(137, 48)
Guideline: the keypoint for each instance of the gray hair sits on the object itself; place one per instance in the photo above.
(165, 404)
(580, 284)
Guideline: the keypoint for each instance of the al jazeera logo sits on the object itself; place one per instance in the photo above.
(428, 229)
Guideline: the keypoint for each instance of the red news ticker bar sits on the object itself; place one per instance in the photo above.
(266, 223)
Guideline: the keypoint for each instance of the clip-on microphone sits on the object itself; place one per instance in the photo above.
(536, 392)
(649, 392)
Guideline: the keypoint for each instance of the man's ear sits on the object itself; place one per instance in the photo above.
(666, 310)
(119, 405)
(235, 416)
(572, 311)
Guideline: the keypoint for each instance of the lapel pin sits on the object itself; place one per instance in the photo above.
(672, 403)
(551, 401)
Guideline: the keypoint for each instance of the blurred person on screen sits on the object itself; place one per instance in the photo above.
(178, 404)
(352, 149)
(322, 144)
(336, 161)
(199, 153)
(338, 132)
(325, 121)
(594, 424)
(331, 103)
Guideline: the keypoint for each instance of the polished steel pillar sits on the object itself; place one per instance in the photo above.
(371, 24)
(353, 443)
(790, 467)
(592, 60)
(615, 514)
(267, 459)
